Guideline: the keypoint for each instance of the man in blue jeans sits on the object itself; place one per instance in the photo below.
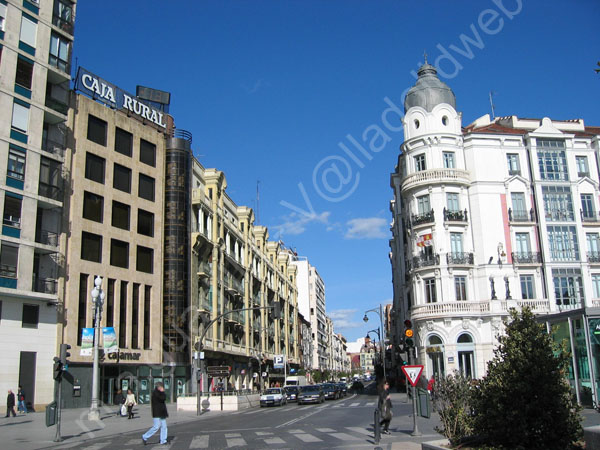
(159, 415)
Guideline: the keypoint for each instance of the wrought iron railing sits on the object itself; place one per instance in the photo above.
(419, 219)
(589, 216)
(593, 257)
(459, 258)
(455, 216)
(526, 257)
(426, 261)
(521, 215)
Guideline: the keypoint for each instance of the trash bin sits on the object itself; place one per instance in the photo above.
(51, 410)
(423, 403)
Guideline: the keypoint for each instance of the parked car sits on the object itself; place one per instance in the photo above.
(273, 396)
(311, 393)
(292, 393)
(343, 389)
(331, 391)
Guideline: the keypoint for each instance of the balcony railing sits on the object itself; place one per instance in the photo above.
(45, 285)
(521, 215)
(425, 261)
(526, 257)
(474, 309)
(427, 177)
(459, 258)
(204, 269)
(60, 64)
(419, 219)
(47, 238)
(455, 216)
(57, 105)
(589, 216)
(65, 25)
(560, 215)
(593, 257)
(50, 191)
(56, 148)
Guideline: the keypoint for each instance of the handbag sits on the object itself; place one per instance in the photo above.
(123, 410)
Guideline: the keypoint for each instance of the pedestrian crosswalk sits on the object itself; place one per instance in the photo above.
(343, 404)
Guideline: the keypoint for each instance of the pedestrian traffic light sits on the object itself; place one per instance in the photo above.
(276, 310)
(58, 368)
(408, 334)
(64, 354)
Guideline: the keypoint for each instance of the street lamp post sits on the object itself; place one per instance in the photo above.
(97, 301)
(382, 338)
(377, 330)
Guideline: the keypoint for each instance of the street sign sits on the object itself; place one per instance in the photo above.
(218, 371)
(278, 362)
(412, 373)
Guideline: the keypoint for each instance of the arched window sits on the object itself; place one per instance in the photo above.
(466, 355)
(435, 356)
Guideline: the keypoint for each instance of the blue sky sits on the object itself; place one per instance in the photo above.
(273, 91)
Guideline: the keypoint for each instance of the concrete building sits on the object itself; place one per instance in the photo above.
(502, 213)
(236, 266)
(36, 39)
(311, 304)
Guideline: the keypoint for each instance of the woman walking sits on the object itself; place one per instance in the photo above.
(130, 402)
(385, 408)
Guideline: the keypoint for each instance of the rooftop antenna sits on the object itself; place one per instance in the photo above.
(257, 203)
(492, 105)
(425, 55)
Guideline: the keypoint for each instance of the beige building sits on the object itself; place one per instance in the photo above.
(235, 267)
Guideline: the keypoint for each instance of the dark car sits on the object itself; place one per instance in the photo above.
(343, 389)
(312, 393)
(292, 393)
(331, 391)
(358, 387)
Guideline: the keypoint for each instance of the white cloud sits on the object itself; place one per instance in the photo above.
(367, 228)
(343, 319)
(258, 84)
(296, 223)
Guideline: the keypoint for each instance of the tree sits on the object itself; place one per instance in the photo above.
(524, 401)
(317, 376)
(453, 404)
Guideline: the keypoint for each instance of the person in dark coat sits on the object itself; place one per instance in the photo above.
(10, 404)
(159, 414)
(119, 401)
(385, 408)
(21, 400)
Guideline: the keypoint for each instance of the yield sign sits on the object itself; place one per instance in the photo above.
(412, 373)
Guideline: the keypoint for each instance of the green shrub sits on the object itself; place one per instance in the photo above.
(453, 404)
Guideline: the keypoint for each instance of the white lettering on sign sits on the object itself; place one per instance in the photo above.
(143, 110)
(103, 90)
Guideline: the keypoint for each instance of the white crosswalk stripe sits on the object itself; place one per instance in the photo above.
(305, 437)
(200, 441)
(236, 442)
(370, 404)
(344, 436)
(359, 430)
(274, 440)
(355, 404)
(325, 430)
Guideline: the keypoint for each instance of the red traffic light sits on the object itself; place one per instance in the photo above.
(408, 323)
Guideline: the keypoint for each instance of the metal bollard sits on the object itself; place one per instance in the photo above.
(376, 427)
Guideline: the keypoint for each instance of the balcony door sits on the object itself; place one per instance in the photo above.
(523, 245)
(435, 357)
(466, 355)
(423, 204)
(518, 203)
(456, 244)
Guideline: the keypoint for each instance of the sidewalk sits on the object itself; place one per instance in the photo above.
(29, 431)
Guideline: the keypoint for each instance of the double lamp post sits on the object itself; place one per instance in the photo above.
(379, 311)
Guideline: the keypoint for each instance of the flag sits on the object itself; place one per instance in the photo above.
(425, 240)
(110, 340)
(87, 341)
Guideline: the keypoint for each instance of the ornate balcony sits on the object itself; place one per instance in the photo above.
(455, 216)
(589, 216)
(425, 261)
(444, 176)
(475, 309)
(593, 257)
(521, 215)
(421, 219)
(526, 257)
(459, 259)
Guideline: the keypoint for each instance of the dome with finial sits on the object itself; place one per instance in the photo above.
(428, 91)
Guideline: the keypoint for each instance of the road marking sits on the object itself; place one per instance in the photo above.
(228, 435)
(274, 440)
(305, 437)
(370, 404)
(236, 442)
(296, 431)
(325, 430)
(263, 433)
(200, 441)
(98, 446)
(359, 430)
(354, 404)
(297, 419)
(344, 436)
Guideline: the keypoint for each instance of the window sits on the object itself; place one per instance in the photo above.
(120, 215)
(145, 259)
(63, 15)
(448, 160)
(460, 287)
(24, 74)
(558, 204)
(122, 178)
(147, 153)
(50, 183)
(31, 316)
(593, 245)
(123, 142)
(552, 160)
(563, 243)
(94, 167)
(519, 210)
(514, 167)
(60, 49)
(582, 166)
(135, 313)
(568, 287)
(83, 305)
(420, 163)
(119, 253)
(96, 131)
(91, 247)
(145, 223)
(20, 117)
(452, 201)
(12, 211)
(430, 293)
(596, 285)
(123, 315)
(93, 206)
(146, 187)
(16, 164)
(2, 16)
(527, 287)
(423, 205)
(110, 302)
(28, 31)
(9, 257)
(456, 244)
(587, 207)
(147, 292)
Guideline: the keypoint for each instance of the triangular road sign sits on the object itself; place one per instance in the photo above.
(412, 373)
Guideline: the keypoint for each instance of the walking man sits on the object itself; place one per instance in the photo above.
(159, 415)
(10, 404)
(21, 400)
(385, 408)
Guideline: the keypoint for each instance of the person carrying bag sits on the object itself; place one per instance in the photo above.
(130, 403)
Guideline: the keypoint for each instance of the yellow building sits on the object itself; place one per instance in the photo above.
(235, 267)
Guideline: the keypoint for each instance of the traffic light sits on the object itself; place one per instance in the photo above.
(409, 340)
(58, 368)
(276, 310)
(64, 354)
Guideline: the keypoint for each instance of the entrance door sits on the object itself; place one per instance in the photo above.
(466, 363)
(179, 387)
(144, 391)
(168, 388)
(27, 376)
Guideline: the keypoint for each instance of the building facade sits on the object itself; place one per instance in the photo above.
(502, 213)
(36, 39)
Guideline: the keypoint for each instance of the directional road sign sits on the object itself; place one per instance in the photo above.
(412, 373)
